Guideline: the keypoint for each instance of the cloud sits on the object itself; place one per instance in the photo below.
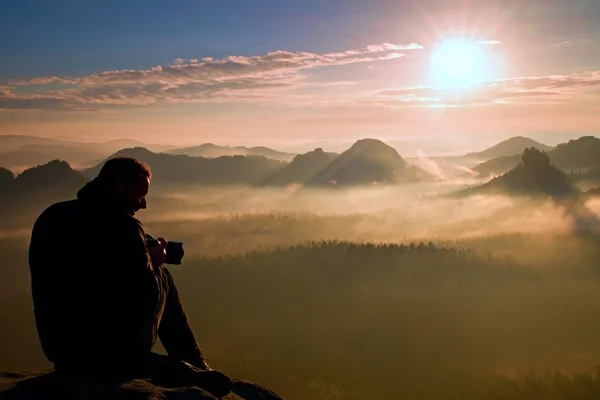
(490, 42)
(553, 86)
(233, 78)
(377, 48)
(577, 80)
(8, 101)
(271, 78)
(43, 80)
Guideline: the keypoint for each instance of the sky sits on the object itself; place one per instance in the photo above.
(441, 74)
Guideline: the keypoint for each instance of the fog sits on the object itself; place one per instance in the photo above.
(418, 212)
(300, 288)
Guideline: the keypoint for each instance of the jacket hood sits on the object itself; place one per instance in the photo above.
(97, 194)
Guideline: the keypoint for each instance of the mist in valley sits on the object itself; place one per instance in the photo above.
(415, 290)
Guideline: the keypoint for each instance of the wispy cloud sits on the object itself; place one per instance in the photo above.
(43, 80)
(272, 78)
(234, 78)
(490, 42)
(557, 86)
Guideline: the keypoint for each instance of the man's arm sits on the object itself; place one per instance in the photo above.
(136, 286)
(174, 329)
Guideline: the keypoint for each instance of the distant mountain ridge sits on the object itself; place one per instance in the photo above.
(301, 169)
(184, 169)
(210, 150)
(575, 155)
(18, 151)
(509, 147)
(39, 186)
(367, 161)
(533, 176)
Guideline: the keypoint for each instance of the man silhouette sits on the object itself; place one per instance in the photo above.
(102, 296)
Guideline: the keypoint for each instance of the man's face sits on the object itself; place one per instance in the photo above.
(135, 195)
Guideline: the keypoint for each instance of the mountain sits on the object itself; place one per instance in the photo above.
(534, 176)
(10, 143)
(36, 154)
(497, 166)
(368, 161)
(575, 155)
(7, 180)
(492, 161)
(34, 189)
(112, 146)
(210, 150)
(17, 152)
(510, 147)
(302, 168)
(54, 177)
(183, 169)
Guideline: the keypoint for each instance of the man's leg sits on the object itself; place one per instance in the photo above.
(174, 329)
(184, 365)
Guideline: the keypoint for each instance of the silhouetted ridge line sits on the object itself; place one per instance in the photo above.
(39, 185)
(211, 150)
(534, 176)
(368, 161)
(301, 169)
(510, 147)
(576, 155)
(182, 169)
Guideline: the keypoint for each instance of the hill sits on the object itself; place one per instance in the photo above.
(20, 152)
(302, 168)
(534, 176)
(368, 161)
(10, 143)
(576, 155)
(510, 147)
(26, 195)
(497, 165)
(54, 176)
(210, 150)
(182, 169)
(7, 180)
(37, 154)
(492, 161)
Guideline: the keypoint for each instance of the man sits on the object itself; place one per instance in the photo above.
(101, 296)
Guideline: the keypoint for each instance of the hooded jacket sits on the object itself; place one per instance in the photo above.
(95, 294)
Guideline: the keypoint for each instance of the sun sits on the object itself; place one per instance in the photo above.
(457, 63)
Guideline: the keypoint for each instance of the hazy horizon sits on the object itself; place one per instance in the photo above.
(407, 147)
(443, 78)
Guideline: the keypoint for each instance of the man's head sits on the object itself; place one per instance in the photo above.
(128, 182)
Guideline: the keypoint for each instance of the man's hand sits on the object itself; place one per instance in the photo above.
(158, 253)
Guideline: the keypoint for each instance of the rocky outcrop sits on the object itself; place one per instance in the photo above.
(368, 161)
(53, 385)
